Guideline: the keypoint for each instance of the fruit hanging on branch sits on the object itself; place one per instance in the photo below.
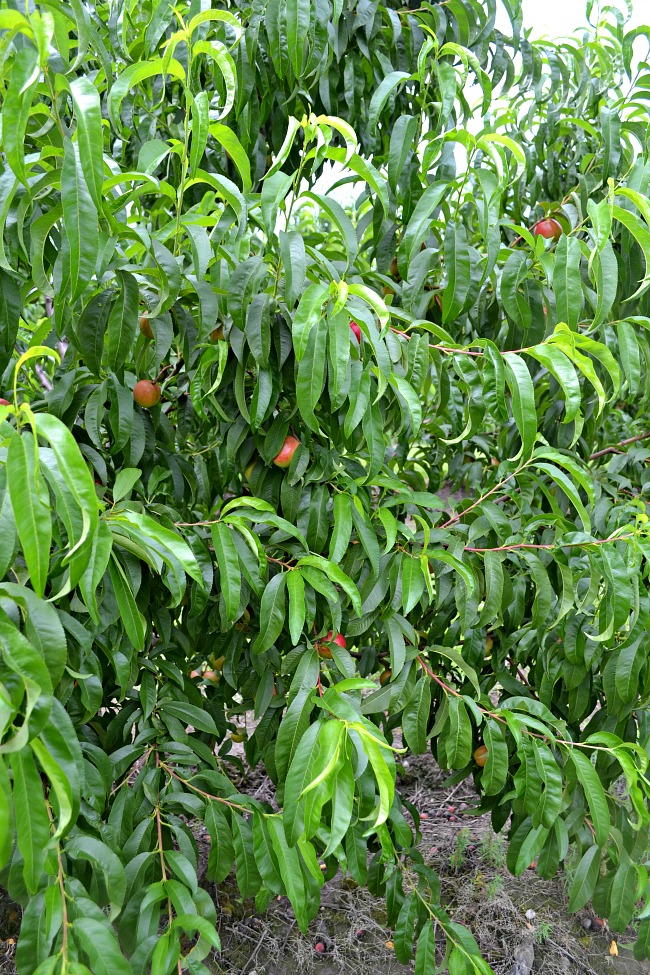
(146, 393)
(285, 455)
(549, 228)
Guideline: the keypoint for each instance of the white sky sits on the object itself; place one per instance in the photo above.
(557, 18)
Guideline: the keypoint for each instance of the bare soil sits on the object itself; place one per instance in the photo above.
(351, 924)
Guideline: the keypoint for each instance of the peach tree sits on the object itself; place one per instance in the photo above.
(324, 357)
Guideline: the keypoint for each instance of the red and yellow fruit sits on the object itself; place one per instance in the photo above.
(356, 330)
(385, 677)
(217, 333)
(145, 327)
(549, 228)
(323, 649)
(481, 755)
(146, 393)
(285, 455)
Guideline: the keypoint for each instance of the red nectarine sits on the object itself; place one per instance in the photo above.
(289, 447)
(548, 228)
(146, 393)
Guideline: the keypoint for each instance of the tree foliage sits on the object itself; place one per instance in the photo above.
(207, 199)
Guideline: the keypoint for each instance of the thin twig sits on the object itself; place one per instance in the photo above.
(621, 443)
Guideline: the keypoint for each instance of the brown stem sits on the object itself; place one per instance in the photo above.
(483, 497)
(621, 443)
(64, 907)
(497, 717)
(160, 836)
(206, 795)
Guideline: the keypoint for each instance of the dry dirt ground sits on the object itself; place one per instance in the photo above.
(477, 891)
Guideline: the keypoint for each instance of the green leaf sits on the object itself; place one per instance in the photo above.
(125, 481)
(200, 126)
(294, 261)
(30, 503)
(567, 283)
(6, 815)
(425, 955)
(289, 866)
(342, 806)
(460, 662)
(246, 872)
(525, 846)
(302, 743)
(87, 110)
(342, 221)
(457, 266)
(16, 107)
(272, 613)
(32, 822)
(629, 351)
(381, 95)
(122, 321)
(337, 576)
(189, 714)
(340, 538)
(594, 794)
(230, 142)
(222, 852)
(79, 219)
(134, 75)
(495, 770)
(296, 591)
(297, 21)
(561, 369)
(584, 879)
(131, 616)
(98, 942)
(311, 373)
(523, 401)
(623, 896)
(401, 144)
(106, 862)
(415, 718)
(229, 570)
(459, 738)
(308, 313)
(514, 290)
(404, 934)
(418, 226)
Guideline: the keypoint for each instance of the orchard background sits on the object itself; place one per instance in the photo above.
(385, 485)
